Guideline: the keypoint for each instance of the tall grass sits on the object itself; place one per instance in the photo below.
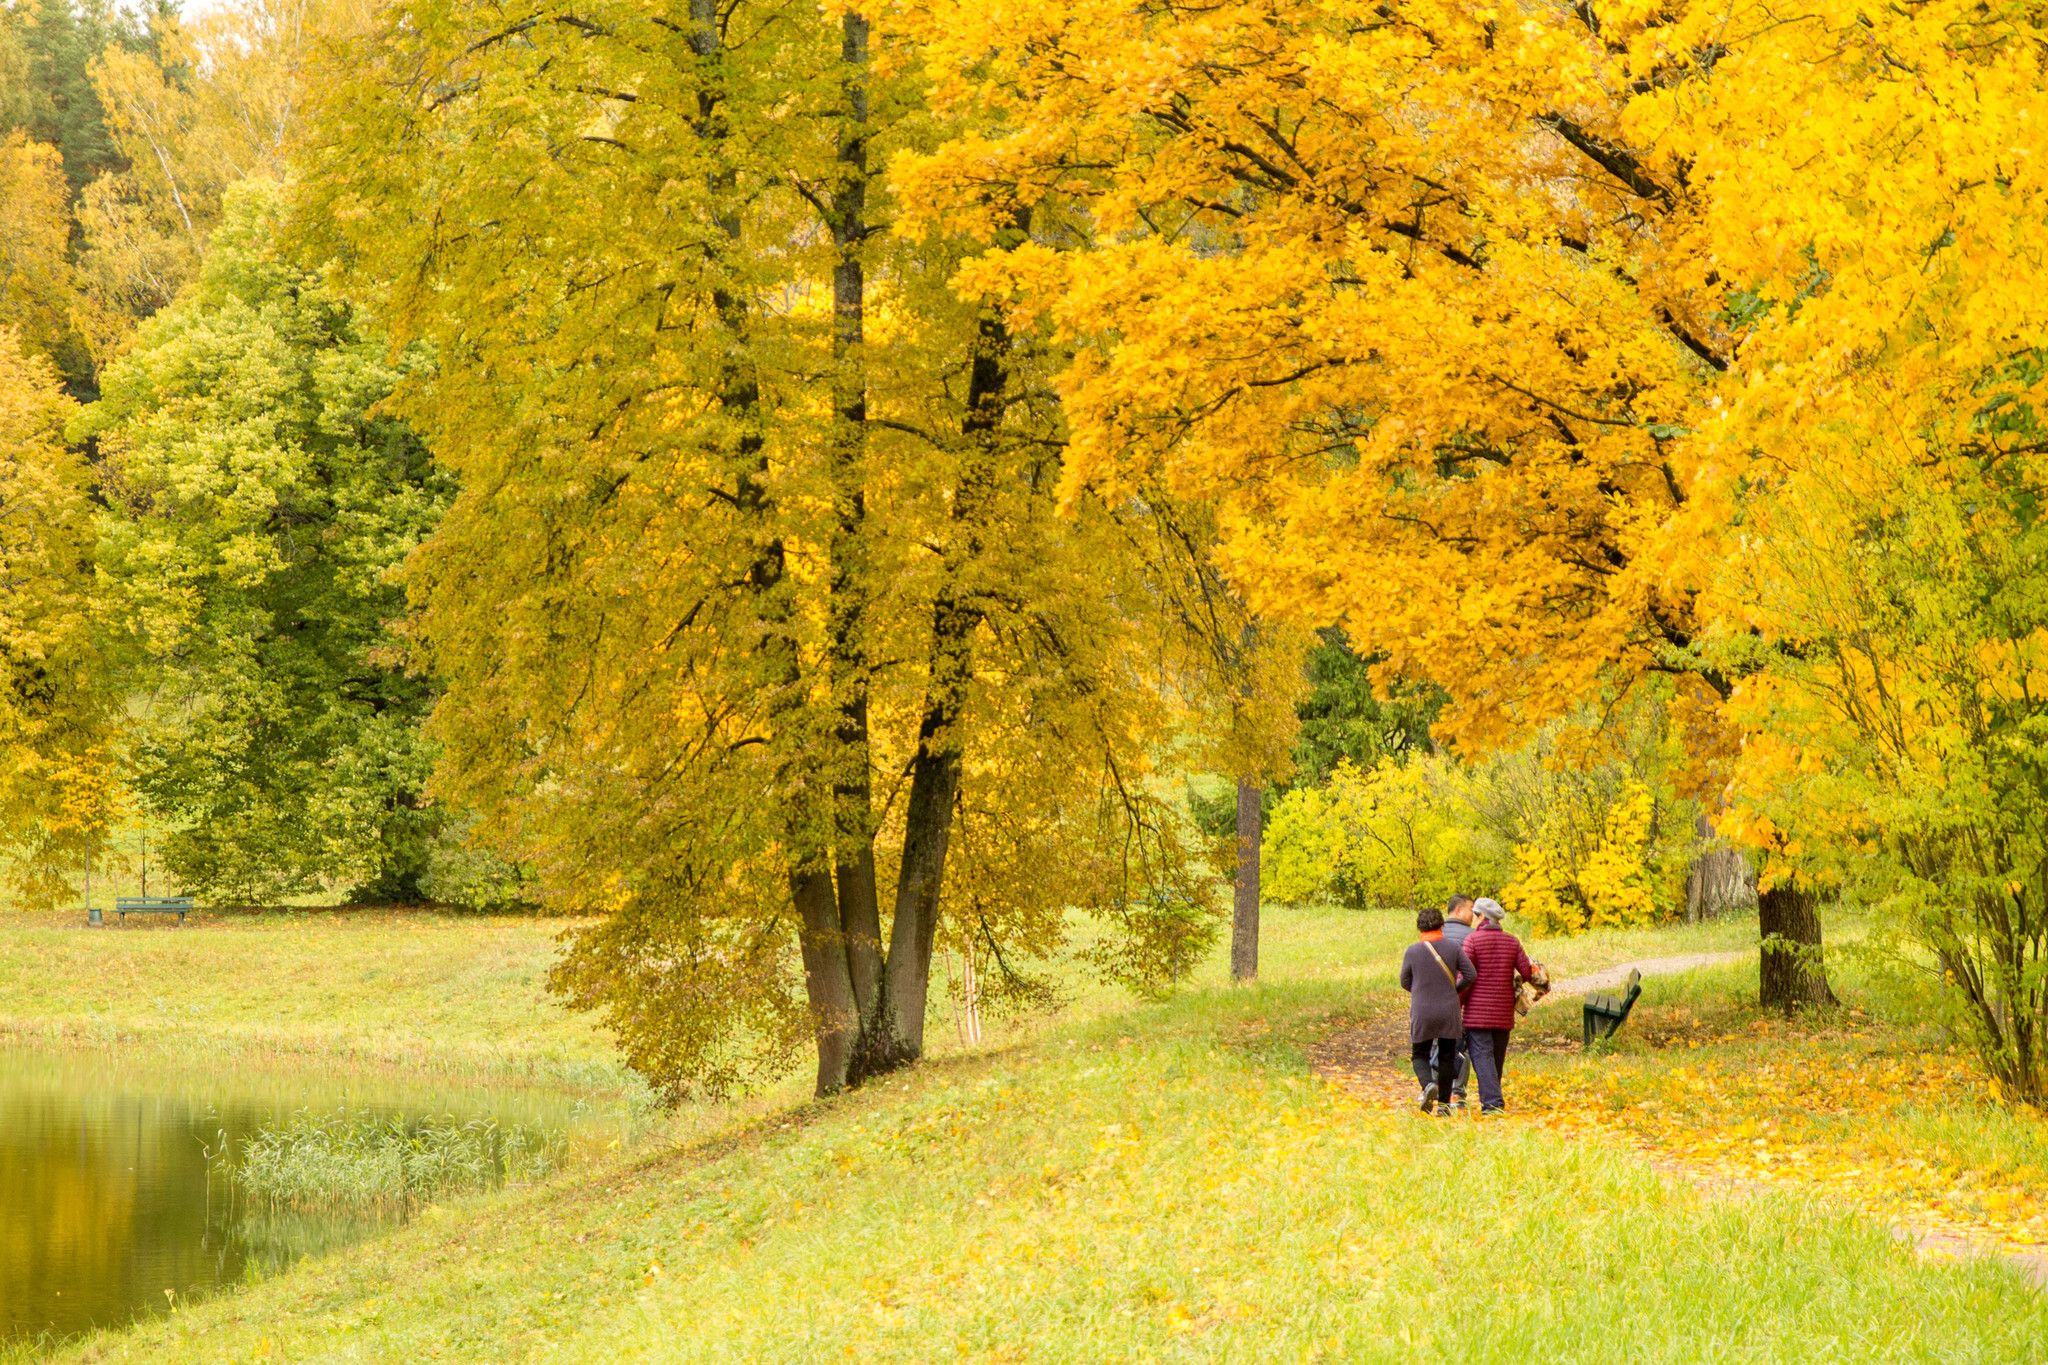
(351, 1159)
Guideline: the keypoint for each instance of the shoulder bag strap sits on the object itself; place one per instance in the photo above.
(1450, 975)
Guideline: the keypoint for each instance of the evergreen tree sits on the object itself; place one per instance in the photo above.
(1344, 717)
(59, 41)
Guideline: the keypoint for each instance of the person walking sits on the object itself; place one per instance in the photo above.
(1434, 973)
(1499, 964)
(1457, 924)
(1458, 920)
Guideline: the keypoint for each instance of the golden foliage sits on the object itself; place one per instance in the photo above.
(35, 262)
(217, 102)
(1610, 889)
(54, 705)
(758, 598)
(1400, 834)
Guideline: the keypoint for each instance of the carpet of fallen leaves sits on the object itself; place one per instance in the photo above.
(1849, 1111)
(1903, 1135)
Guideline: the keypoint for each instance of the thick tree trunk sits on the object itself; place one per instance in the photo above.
(935, 772)
(860, 928)
(1790, 972)
(1718, 883)
(1720, 879)
(928, 826)
(826, 981)
(860, 914)
(1244, 922)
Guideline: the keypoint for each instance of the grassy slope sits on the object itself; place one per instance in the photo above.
(1154, 1184)
(458, 996)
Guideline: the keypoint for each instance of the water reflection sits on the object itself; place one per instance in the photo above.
(109, 1205)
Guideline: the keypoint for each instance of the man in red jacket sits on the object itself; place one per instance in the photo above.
(1498, 958)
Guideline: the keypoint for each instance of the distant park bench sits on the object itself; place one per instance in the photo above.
(1604, 1013)
(124, 906)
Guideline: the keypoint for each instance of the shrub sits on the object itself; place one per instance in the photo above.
(1611, 887)
(1396, 834)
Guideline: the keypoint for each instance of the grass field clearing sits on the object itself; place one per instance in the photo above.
(1160, 1183)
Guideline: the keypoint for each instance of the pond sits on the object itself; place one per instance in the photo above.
(125, 1187)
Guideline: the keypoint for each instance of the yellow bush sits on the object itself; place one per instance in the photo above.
(1395, 834)
(1610, 889)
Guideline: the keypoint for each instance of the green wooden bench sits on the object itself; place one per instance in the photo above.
(1604, 1013)
(124, 906)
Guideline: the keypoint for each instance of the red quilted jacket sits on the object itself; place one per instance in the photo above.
(1498, 958)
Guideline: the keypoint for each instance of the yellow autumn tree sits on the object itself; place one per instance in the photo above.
(1884, 462)
(1445, 308)
(35, 249)
(1386, 287)
(215, 99)
(55, 710)
(763, 631)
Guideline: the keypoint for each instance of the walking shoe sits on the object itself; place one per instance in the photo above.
(1443, 1111)
(1493, 1112)
(1457, 1102)
(1426, 1101)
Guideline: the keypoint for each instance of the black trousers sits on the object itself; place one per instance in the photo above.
(1440, 1053)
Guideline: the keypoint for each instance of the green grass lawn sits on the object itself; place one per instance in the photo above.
(462, 995)
(459, 996)
(1157, 1183)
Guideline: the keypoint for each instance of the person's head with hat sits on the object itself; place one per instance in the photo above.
(1489, 910)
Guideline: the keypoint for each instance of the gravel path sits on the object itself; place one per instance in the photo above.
(1608, 977)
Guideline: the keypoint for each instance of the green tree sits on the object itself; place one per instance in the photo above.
(1344, 717)
(1340, 717)
(256, 507)
(59, 41)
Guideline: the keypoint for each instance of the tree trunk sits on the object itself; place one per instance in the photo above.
(1790, 972)
(1719, 881)
(928, 827)
(935, 771)
(1244, 924)
(826, 981)
(860, 929)
(860, 913)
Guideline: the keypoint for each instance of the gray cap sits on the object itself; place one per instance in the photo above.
(1489, 908)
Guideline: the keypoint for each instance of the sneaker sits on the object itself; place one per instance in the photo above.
(1457, 1102)
(1443, 1111)
(1426, 1101)
(1494, 1112)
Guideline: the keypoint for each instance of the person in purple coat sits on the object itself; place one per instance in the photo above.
(1434, 972)
(1458, 918)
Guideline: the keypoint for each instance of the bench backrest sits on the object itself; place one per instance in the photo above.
(152, 902)
(1635, 988)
